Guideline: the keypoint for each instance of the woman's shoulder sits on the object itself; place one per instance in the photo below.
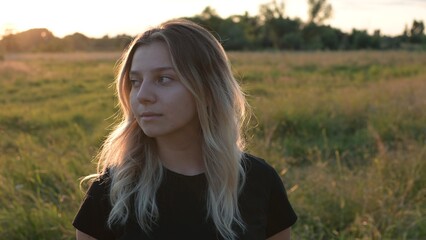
(103, 178)
(257, 167)
(99, 184)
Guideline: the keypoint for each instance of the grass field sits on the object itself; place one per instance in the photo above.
(346, 130)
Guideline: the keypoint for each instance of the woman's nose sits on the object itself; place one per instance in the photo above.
(146, 93)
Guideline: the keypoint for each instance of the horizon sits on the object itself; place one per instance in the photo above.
(366, 15)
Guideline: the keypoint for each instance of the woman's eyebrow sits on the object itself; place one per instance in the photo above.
(158, 69)
(163, 68)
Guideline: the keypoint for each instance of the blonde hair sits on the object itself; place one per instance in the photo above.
(131, 157)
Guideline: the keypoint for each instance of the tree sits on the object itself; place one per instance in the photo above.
(405, 35)
(376, 40)
(251, 27)
(330, 38)
(417, 28)
(271, 10)
(417, 32)
(360, 39)
(209, 13)
(319, 11)
(210, 19)
(292, 41)
(271, 16)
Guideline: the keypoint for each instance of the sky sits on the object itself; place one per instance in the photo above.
(97, 18)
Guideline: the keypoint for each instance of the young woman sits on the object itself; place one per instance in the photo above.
(174, 168)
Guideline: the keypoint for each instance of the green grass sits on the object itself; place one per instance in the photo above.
(347, 131)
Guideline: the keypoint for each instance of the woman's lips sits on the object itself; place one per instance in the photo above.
(147, 116)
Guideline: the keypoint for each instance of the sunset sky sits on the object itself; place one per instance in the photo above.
(96, 18)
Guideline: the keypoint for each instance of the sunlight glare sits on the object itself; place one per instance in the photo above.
(97, 18)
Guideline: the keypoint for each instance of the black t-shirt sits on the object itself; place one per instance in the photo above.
(181, 200)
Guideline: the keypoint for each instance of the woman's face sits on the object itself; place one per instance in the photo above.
(161, 104)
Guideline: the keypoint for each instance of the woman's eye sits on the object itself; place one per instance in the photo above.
(164, 80)
(135, 83)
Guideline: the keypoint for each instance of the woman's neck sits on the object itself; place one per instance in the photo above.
(183, 156)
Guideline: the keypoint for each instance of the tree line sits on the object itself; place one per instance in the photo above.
(270, 29)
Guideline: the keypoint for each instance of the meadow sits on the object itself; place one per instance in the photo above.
(346, 131)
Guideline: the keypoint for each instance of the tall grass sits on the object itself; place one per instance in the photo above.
(347, 131)
(52, 118)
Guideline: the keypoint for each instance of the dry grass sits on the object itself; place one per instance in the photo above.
(346, 130)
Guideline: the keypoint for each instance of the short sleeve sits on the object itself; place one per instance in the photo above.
(280, 215)
(93, 214)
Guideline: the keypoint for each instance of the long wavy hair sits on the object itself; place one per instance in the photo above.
(131, 157)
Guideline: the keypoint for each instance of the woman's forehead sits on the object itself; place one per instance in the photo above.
(152, 56)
